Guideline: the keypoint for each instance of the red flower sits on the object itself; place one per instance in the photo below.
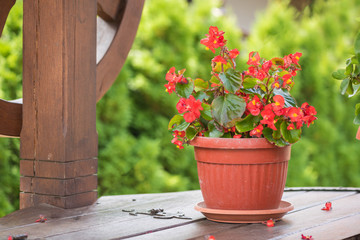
(268, 117)
(287, 79)
(234, 53)
(170, 87)
(295, 57)
(266, 66)
(214, 39)
(276, 84)
(254, 59)
(219, 59)
(191, 107)
(251, 71)
(174, 78)
(287, 62)
(179, 133)
(261, 74)
(211, 237)
(257, 132)
(178, 143)
(278, 104)
(237, 136)
(295, 114)
(290, 127)
(327, 207)
(254, 106)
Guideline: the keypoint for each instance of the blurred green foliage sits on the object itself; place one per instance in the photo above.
(135, 153)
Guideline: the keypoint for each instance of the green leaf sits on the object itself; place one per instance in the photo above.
(344, 86)
(213, 131)
(349, 69)
(249, 83)
(248, 123)
(231, 80)
(291, 136)
(357, 114)
(185, 89)
(289, 100)
(228, 109)
(183, 126)
(206, 112)
(200, 84)
(268, 134)
(191, 133)
(175, 121)
(355, 89)
(215, 80)
(256, 91)
(277, 133)
(201, 96)
(339, 74)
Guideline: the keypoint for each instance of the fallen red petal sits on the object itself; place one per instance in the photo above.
(328, 206)
(306, 237)
(269, 223)
(211, 238)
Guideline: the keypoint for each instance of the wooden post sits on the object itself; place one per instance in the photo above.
(58, 138)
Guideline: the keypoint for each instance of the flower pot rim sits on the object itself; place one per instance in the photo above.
(232, 143)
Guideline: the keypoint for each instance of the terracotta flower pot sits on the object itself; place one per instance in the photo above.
(241, 174)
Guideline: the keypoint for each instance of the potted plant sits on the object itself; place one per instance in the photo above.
(242, 124)
(350, 77)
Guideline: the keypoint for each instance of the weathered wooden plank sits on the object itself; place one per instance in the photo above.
(297, 223)
(106, 220)
(335, 229)
(106, 223)
(203, 228)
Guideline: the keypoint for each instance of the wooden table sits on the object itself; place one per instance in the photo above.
(107, 220)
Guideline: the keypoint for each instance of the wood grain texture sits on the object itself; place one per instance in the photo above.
(110, 65)
(106, 220)
(59, 110)
(6, 6)
(11, 118)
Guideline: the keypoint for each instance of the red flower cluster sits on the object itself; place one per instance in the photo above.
(178, 142)
(215, 39)
(306, 237)
(173, 79)
(191, 107)
(271, 112)
(254, 102)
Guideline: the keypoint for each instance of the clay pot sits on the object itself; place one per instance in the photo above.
(241, 174)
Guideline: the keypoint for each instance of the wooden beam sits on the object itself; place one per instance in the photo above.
(11, 118)
(6, 6)
(110, 65)
(59, 110)
(110, 10)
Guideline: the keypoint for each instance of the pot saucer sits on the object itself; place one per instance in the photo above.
(244, 216)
